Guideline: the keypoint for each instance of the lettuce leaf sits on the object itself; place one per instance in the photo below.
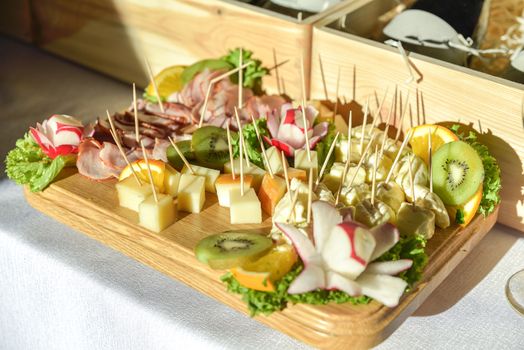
(252, 74)
(26, 164)
(265, 303)
(254, 151)
(322, 148)
(492, 182)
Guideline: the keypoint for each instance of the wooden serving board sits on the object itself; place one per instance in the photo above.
(92, 208)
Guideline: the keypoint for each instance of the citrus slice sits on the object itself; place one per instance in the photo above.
(439, 136)
(262, 273)
(157, 167)
(168, 81)
(468, 209)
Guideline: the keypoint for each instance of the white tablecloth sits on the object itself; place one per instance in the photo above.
(62, 290)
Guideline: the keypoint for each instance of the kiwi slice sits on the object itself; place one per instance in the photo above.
(209, 144)
(174, 159)
(232, 249)
(457, 172)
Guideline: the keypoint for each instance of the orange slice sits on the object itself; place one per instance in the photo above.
(168, 81)
(262, 273)
(439, 136)
(158, 169)
(469, 209)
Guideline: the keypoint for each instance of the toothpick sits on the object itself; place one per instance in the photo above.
(401, 121)
(241, 135)
(279, 64)
(374, 178)
(293, 204)
(408, 136)
(240, 81)
(135, 110)
(324, 165)
(181, 155)
(264, 154)
(386, 130)
(336, 93)
(276, 71)
(241, 162)
(286, 175)
(480, 126)
(362, 131)
(323, 77)
(411, 180)
(211, 83)
(379, 110)
(149, 171)
(309, 195)
(348, 160)
(361, 161)
(125, 158)
(430, 162)
(283, 85)
(155, 87)
(303, 81)
(230, 148)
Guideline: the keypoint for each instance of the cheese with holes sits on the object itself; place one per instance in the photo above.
(245, 209)
(191, 193)
(225, 184)
(156, 216)
(131, 194)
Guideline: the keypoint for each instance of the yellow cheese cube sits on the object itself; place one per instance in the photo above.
(156, 216)
(225, 183)
(274, 158)
(131, 194)
(191, 193)
(253, 170)
(271, 191)
(245, 209)
(302, 161)
(171, 180)
(211, 175)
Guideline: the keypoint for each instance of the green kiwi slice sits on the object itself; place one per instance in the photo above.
(457, 172)
(232, 249)
(174, 159)
(209, 144)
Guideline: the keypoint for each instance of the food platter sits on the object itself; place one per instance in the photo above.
(92, 208)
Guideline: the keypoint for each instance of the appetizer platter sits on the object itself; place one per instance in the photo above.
(327, 222)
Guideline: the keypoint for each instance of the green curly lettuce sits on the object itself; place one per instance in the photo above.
(26, 164)
(265, 303)
(322, 148)
(254, 151)
(492, 182)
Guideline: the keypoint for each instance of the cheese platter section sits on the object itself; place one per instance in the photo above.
(330, 229)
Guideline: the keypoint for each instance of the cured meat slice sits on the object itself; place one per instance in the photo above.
(89, 163)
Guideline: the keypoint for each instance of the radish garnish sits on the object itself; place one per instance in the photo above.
(391, 268)
(382, 288)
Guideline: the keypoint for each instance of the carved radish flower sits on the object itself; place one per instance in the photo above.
(59, 135)
(342, 255)
(288, 131)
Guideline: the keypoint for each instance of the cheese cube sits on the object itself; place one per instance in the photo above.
(270, 192)
(245, 209)
(294, 173)
(225, 183)
(302, 162)
(157, 216)
(171, 180)
(131, 194)
(191, 193)
(274, 158)
(253, 170)
(211, 175)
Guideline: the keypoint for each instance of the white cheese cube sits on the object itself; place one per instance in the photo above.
(274, 158)
(156, 216)
(191, 193)
(131, 194)
(171, 180)
(211, 175)
(253, 170)
(245, 209)
(225, 183)
(302, 161)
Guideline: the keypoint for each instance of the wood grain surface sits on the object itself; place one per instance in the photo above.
(445, 93)
(92, 208)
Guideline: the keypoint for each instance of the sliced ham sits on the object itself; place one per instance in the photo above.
(111, 157)
(160, 150)
(89, 163)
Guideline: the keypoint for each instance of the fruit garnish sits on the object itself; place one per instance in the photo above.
(157, 170)
(457, 172)
(262, 273)
(168, 81)
(463, 214)
(174, 159)
(210, 148)
(232, 249)
(439, 136)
